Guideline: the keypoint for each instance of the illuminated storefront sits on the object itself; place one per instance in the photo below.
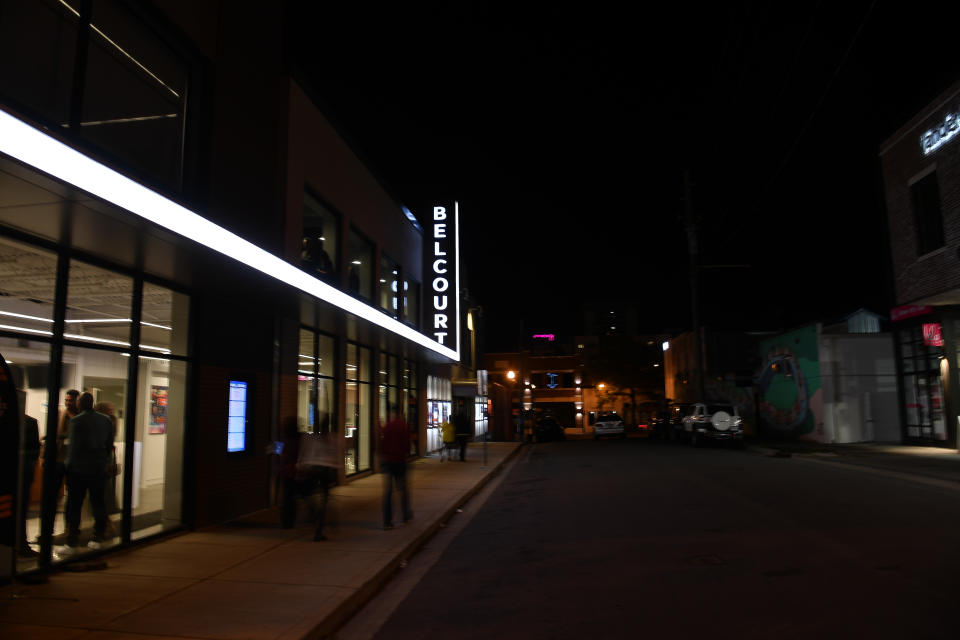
(921, 172)
(198, 292)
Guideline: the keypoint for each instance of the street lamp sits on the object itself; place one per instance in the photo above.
(512, 377)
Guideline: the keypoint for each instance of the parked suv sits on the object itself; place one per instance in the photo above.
(713, 421)
(608, 423)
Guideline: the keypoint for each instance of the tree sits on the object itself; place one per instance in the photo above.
(625, 364)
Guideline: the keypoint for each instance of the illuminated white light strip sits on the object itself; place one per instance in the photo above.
(89, 320)
(24, 329)
(127, 355)
(75, 336)
(158, 326)
(35, 148)
(94, 123)
(25, 317)
(98, 320)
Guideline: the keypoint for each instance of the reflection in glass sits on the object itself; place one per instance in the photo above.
(29, 364)
(318, 246)
(134, 93)
(411, 302)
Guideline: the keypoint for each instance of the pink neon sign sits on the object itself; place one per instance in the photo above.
(548, 336)
(932, 335)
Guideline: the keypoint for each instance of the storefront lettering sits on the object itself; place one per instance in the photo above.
(909, 311)
(940, 135)
(440, 283)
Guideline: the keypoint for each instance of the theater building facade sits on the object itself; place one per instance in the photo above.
(207, 260)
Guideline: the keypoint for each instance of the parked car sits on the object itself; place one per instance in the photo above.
(548, 428)
(609, 423)
(713, 421)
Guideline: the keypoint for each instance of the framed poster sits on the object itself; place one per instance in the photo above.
(158, 409)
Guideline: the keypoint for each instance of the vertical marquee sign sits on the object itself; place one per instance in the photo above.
(444, 274)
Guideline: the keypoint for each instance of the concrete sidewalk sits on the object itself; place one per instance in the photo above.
(250, 578)
(928, 465)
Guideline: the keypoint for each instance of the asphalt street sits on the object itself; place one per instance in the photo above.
(635, 538)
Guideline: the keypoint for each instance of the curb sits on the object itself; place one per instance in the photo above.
(346, 609)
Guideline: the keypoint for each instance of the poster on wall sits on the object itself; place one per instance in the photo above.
(158, 409)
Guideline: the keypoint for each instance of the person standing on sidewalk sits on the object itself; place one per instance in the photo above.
(394, 449)
(464, 428)
(91, 445)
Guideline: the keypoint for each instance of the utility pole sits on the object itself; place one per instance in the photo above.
(691, 224)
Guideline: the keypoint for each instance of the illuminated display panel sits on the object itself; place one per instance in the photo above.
(237, 417)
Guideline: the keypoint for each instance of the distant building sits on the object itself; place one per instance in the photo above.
(920, 164)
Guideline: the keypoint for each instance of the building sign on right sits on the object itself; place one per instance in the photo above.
(933, 139)
(932, 334)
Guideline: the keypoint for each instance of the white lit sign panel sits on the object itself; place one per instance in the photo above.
(445, 276)
(933, 139)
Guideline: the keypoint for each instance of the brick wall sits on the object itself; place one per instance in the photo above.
(917, 277)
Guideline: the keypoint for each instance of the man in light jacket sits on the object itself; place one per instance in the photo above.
(91, 448)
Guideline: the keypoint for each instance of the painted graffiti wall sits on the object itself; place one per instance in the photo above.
(789, 385)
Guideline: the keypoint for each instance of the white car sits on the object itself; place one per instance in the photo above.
(608, 423)
(713, 422)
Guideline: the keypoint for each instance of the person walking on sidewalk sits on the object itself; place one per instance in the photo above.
(91, 445)
(463, 427)
(306, 463)
(448, 440)
(394, 450)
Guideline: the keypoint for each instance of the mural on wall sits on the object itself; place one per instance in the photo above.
(788, 385)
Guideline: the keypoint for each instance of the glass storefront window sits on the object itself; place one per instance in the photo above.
(922, 382)
(158, 446)
(360, 267)
(439, 409)
(98, 316)
(134, 96)
(104, 375)
(359, 410)
(316, 386)
(98, 306)
(318, 246)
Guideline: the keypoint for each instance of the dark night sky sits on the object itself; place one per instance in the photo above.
(563, 130)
